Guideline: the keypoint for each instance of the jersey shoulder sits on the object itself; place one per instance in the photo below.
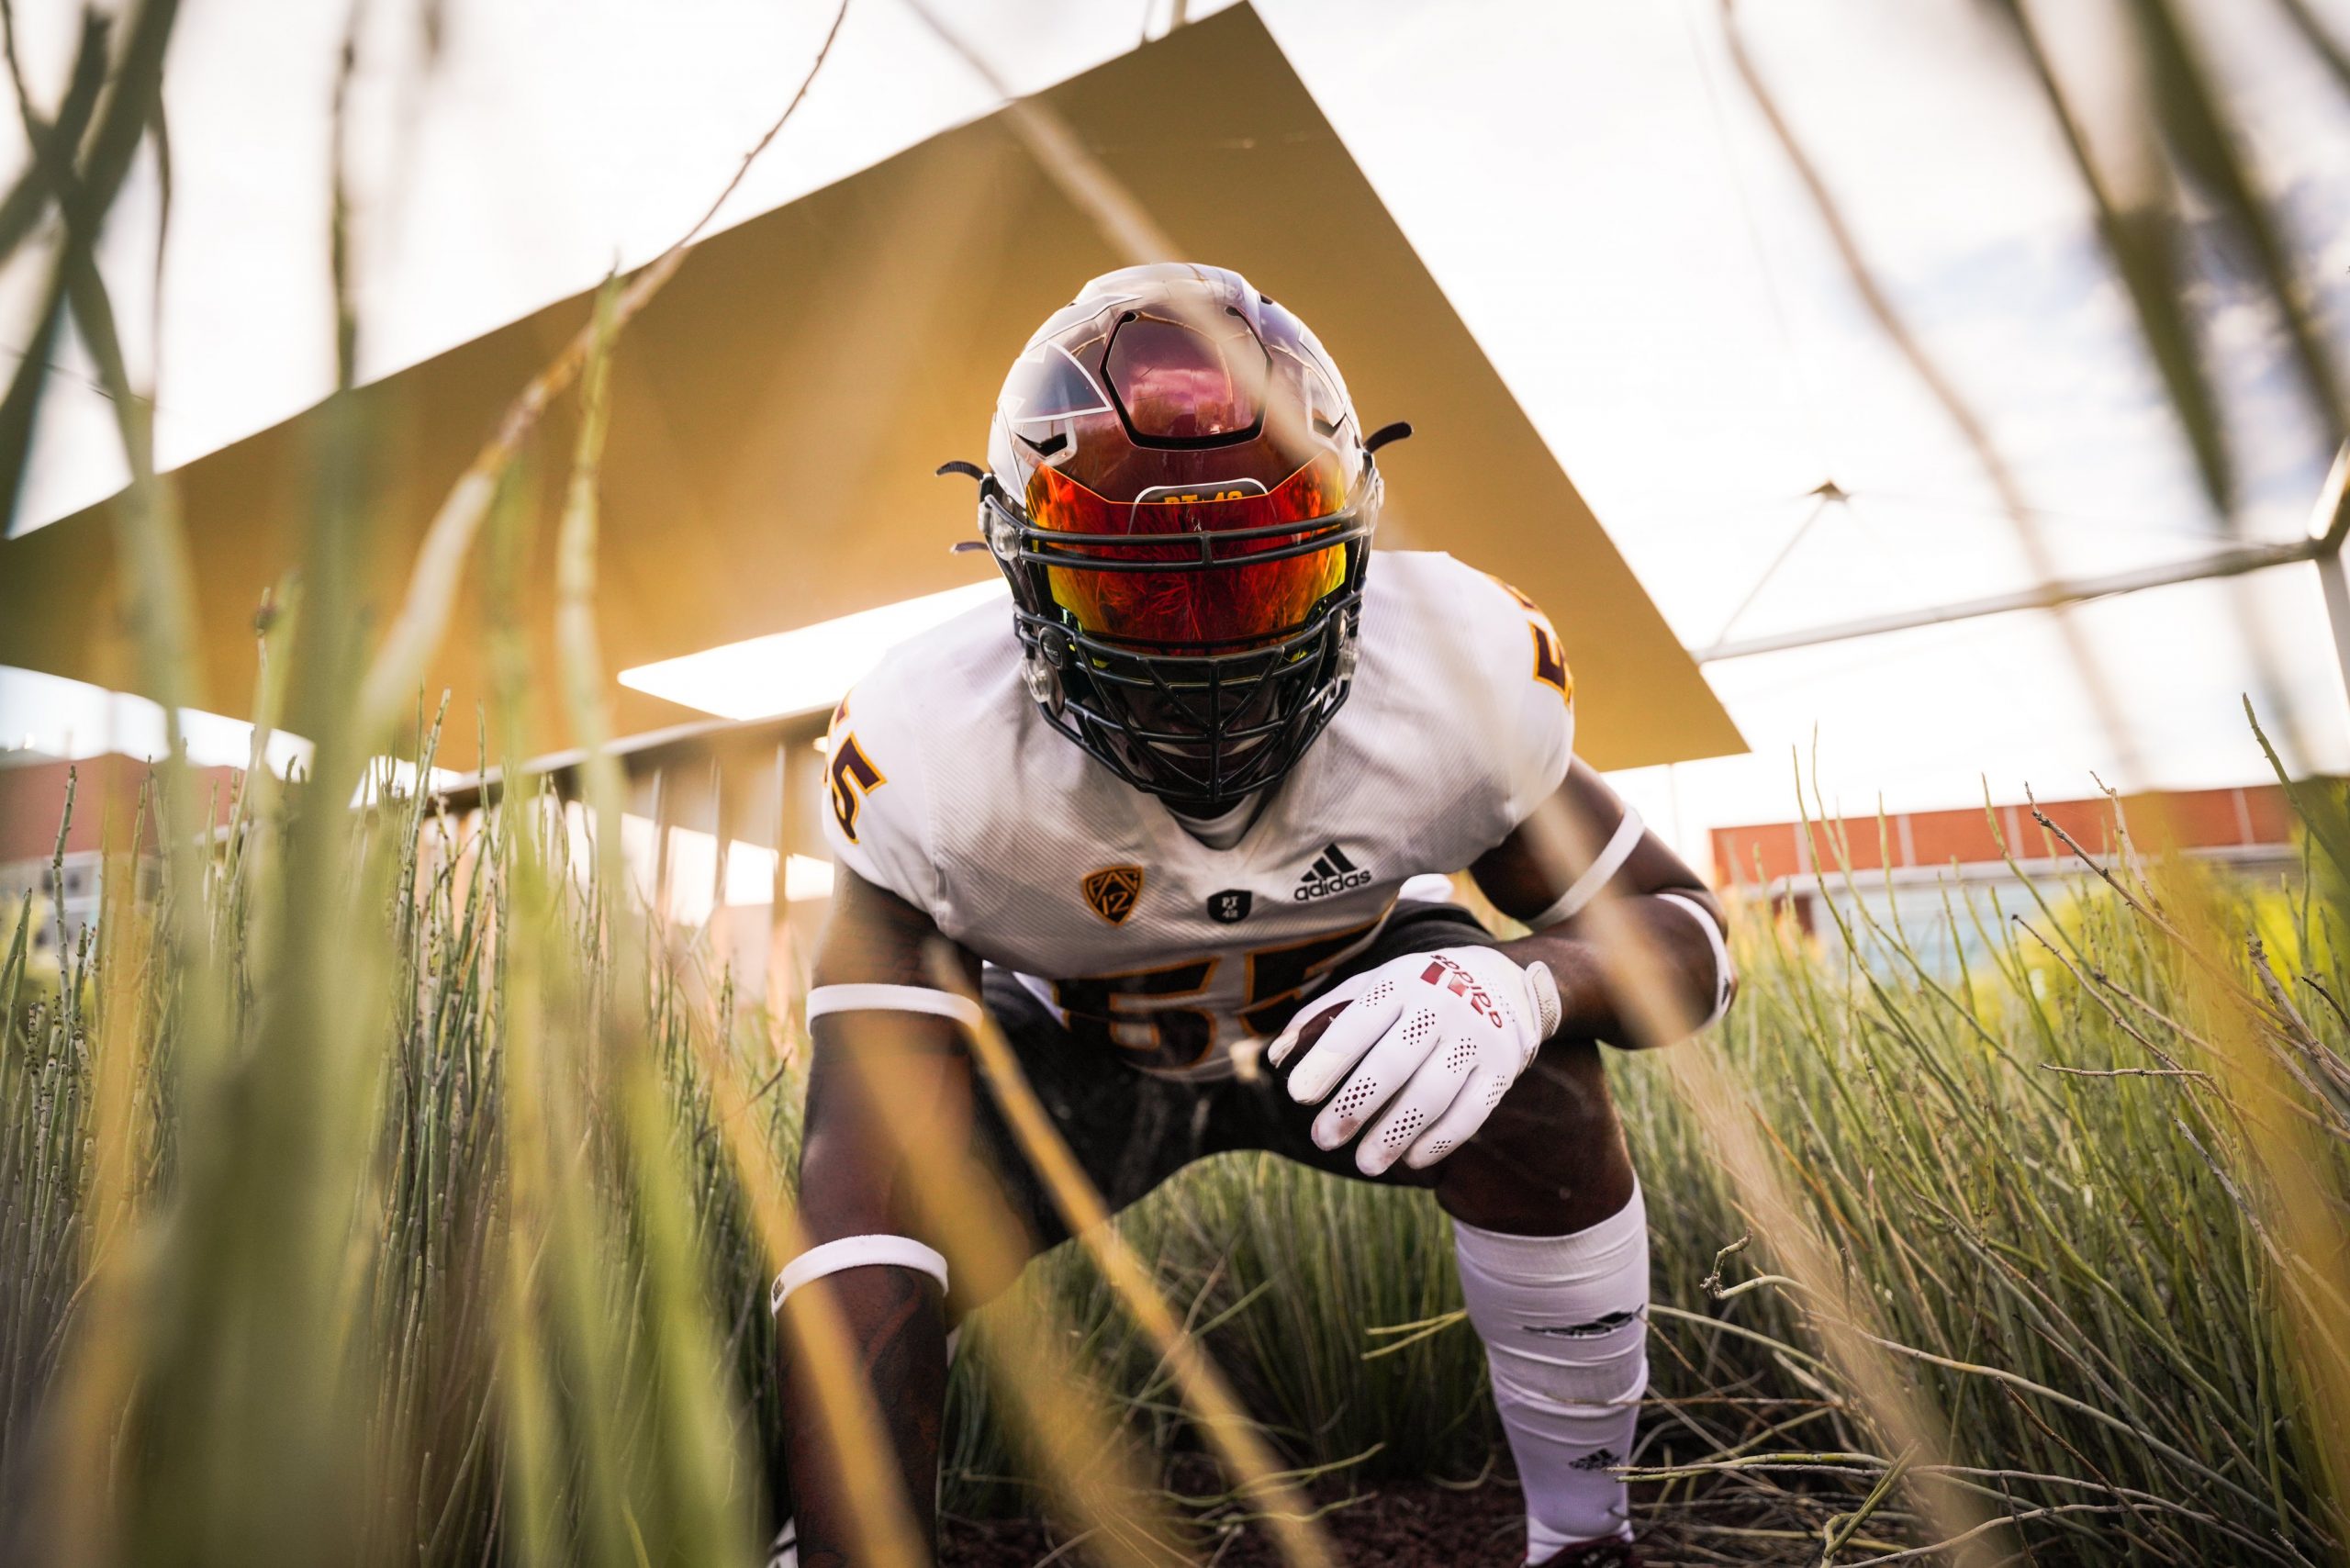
(1508, 636)
(943, 705)
(1461, 653)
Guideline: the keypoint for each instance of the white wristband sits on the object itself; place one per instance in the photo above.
(826, 998)
(1621, 845)
(856, 1252)
(1722, 972)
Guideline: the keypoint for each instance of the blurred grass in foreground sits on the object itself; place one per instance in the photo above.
(547, 1336)
(371, 1188)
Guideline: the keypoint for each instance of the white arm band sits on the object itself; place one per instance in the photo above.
(826, 998)
(1621, 845)
(856, 1252)
(1722, 971)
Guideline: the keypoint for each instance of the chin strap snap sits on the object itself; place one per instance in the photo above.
(1043, 682)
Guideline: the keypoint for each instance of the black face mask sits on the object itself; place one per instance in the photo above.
(1201, 731)
(1201, 727)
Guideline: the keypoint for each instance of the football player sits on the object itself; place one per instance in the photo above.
(1177, 814)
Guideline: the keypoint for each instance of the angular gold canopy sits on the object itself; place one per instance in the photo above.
(780, 409)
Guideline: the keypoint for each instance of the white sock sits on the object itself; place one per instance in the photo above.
(1564, 1319)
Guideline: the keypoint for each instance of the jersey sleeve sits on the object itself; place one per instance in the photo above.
(1533, 690)
(876, 805)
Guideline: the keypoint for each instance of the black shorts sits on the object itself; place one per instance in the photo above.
(1131, 1131)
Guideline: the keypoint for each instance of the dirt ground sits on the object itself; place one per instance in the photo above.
(1393, 1524)
(1406, 1524)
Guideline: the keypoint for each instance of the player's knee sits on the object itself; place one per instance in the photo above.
(1557, 1121)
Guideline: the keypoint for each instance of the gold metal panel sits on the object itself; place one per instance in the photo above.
(780, 409)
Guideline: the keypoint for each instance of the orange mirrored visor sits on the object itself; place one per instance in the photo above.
(1209, 595)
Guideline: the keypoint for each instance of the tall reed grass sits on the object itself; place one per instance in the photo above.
(378, 1186)
(2038, 1173)
(2034, 1171)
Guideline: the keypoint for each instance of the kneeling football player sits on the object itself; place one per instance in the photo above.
(1175, 813)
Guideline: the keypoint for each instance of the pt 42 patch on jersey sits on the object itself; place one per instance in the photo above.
(1331, 872)
(1231, 906)
(1110, 892)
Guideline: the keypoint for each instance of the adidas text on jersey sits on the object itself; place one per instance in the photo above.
(1332, 872)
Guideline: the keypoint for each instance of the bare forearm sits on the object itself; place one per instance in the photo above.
(1635, 973)
(1631, 934)
(896, 1323)
(889, 1077)
(854, 1180)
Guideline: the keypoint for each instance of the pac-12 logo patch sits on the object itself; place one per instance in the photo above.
(1110, 892)
(1230, 906)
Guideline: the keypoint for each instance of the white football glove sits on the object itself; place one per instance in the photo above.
(1439, 1037)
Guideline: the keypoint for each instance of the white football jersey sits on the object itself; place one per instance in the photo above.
(949, 789)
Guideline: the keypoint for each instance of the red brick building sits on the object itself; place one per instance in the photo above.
(106, 804)
(2250, 826)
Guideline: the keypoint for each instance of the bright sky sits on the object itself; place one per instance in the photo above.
(1586, 180)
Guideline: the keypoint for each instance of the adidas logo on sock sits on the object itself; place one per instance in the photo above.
(1331, 872)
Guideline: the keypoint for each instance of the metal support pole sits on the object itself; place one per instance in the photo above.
(2336, 586)
(2329, 528)
(2047, 596)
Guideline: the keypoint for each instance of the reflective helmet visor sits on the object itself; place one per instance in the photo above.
(1207, 568)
